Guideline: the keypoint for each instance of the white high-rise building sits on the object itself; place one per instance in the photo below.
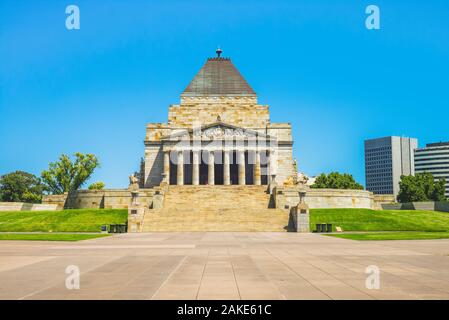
(386, 160)
(434, 158)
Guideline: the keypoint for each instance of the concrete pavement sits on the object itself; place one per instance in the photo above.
(215, 265)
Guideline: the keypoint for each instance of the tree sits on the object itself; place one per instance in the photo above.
(421, 187)
(20, 186)
(439, 193)
(335, 180)
(66, 176)
(96, 186)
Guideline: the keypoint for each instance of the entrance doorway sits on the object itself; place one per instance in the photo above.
(218, 167)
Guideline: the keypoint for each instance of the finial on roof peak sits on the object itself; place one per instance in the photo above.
(219, 51)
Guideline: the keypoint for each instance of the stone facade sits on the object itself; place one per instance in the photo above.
(287, 197)
(97, 199)
(382, 199)
(217, 164)
(316, 198)
(22, 206)
(218, 123)
(55, 199)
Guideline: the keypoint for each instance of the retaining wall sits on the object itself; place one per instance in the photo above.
(286, 197)
(21, 206)
(97, 199)
(425, 205)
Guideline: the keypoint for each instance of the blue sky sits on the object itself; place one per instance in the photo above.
(313, 62)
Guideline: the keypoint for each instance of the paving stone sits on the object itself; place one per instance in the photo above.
(224, 265)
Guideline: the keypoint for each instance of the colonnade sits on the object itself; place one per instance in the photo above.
(226, 161)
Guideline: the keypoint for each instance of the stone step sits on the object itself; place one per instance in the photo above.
(221, 211)
(164, 220)
(215, 208)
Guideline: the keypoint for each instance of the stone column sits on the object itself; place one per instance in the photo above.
(241, 163)
(167, 166)
(226, 168)
(196, 168)
(180, 175)
(256, 171)
(273, 164)
(211, 167)
(269, 167)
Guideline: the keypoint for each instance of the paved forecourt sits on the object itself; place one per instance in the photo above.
(208, 265)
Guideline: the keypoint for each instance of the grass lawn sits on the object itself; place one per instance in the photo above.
(50, 236)
(74, 220)
(400, 235)
(382, 220)
(384, 224)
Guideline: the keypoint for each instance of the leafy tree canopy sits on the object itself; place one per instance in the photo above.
(66, 175)
(336, 180)
(97, 186)
(421, 187)
(20, 186)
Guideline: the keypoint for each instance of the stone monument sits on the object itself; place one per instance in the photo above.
(300, 212)
(217, 135)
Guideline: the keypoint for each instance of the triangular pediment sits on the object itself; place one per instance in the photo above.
(216, 130)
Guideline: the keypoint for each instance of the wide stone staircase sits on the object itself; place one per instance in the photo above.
(215, 208)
